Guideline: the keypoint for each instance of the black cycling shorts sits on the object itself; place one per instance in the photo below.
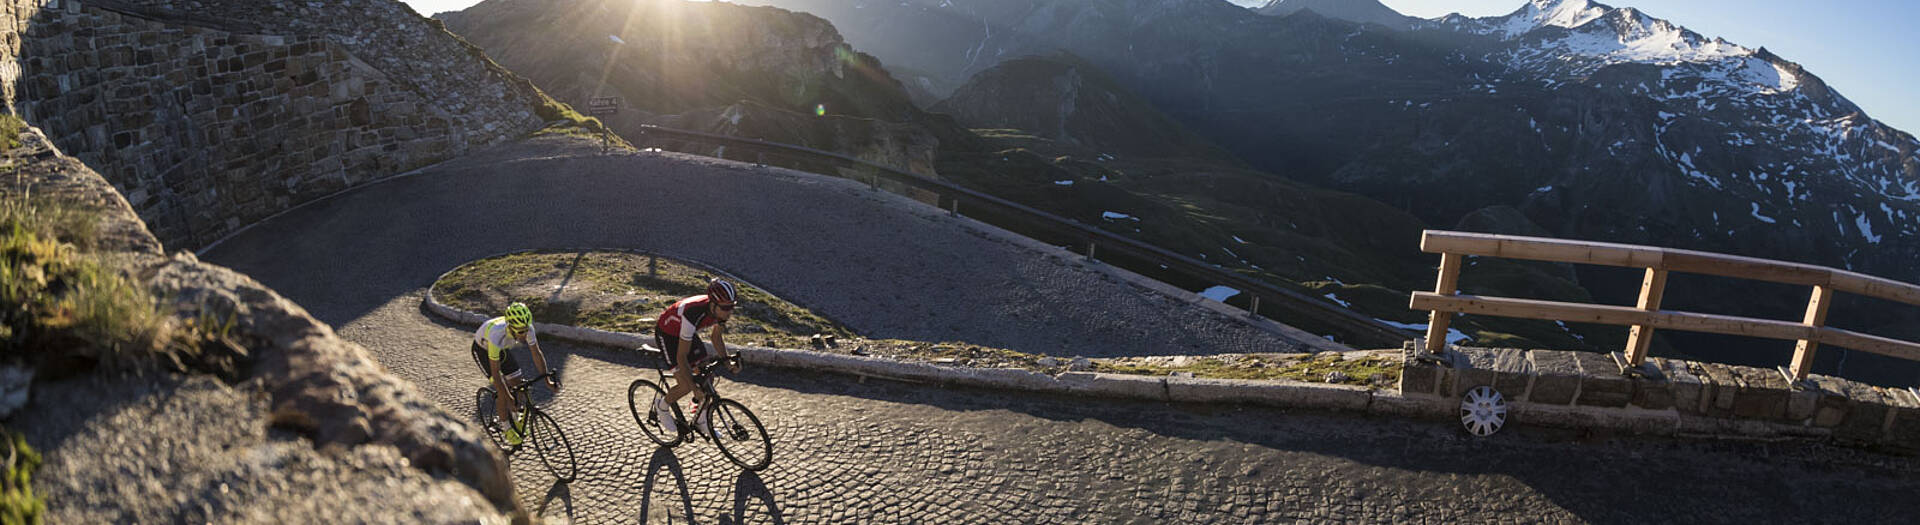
(671, 347)
(507, 365)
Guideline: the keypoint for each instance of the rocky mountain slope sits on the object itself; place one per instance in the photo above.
(716, 67)
(1067, 100)
(1103, 155)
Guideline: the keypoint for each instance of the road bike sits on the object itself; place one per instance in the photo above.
(730, 426)
(556, 451)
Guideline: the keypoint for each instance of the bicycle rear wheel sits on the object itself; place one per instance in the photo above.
(640, 401)
(488, 416)
(556, 452)
(740, 436)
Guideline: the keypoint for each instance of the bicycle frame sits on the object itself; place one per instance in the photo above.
(702, 381)
(524, 401)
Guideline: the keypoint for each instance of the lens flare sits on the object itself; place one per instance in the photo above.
(819, 110)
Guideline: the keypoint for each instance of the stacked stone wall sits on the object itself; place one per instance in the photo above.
(1672, 396)
(212, 115)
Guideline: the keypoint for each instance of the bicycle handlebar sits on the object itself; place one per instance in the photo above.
(735, 359)
(535, 379)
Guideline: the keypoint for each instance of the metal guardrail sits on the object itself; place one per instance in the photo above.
(1348, 326)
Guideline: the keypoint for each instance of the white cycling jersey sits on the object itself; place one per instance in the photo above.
(494, 336)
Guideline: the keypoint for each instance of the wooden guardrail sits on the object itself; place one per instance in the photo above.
(1351, 327)
(1646, 316)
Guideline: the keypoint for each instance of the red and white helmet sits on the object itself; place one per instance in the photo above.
(722, 292)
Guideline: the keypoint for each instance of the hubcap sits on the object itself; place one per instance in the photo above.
(1483, 411)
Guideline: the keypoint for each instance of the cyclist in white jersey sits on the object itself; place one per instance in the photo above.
(490, 345)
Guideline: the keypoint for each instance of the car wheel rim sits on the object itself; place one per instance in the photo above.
(1483, 411)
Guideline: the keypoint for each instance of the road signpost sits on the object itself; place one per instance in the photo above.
(604, 107)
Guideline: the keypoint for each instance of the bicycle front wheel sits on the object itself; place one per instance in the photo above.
(640, 401)
(740, 436)
(556, 452)
(488, 415)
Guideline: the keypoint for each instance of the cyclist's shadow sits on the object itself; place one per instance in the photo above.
(663, 458)
(559, 491)
(746, 488)
(749, 487)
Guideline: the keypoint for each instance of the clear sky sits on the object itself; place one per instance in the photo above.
(1869, 50)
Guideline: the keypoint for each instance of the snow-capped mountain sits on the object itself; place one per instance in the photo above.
(1733, 120)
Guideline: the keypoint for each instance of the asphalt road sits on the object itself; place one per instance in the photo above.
(879, 451)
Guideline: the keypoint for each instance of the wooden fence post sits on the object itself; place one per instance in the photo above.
(1816, 317)
(1652, 288)
(1449, 282)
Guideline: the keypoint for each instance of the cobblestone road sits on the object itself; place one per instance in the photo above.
(887, 452)
(886, 267)
(896, 453)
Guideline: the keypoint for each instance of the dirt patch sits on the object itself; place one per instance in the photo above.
(625, 292)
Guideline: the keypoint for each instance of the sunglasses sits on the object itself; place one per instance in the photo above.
(724, 307)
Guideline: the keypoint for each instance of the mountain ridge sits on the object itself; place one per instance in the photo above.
(1364, 11)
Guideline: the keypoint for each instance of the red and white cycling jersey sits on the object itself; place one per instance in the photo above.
(686, 318)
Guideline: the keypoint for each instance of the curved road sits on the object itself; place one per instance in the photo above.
(884, 452)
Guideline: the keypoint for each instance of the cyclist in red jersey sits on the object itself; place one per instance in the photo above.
(677, 332)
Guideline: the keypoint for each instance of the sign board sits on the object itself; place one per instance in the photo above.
(604, 106)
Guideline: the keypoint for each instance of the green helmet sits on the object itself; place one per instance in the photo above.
(519, 316)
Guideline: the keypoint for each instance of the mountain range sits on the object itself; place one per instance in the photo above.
(1592, 122)
(1565, 118)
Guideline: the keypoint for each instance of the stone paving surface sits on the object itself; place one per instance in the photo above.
(884, 452)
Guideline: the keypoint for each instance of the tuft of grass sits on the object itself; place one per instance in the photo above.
(69, 310)
(18, 503)
(65, 310)
(10, 128)
(60, 221)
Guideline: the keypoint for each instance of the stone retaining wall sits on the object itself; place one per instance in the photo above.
(1572, 388)
(212, 115)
